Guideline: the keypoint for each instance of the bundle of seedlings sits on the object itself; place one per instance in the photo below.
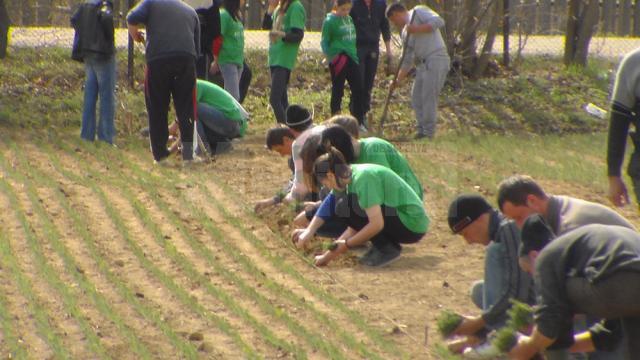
(448, 321)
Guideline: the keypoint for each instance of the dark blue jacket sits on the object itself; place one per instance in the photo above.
(370, 23)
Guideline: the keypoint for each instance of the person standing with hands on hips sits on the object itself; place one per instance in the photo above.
(425, 48)
(286, 19)
(339, 46)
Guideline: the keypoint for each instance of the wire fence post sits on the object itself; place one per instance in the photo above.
(130, 47)
(506, 29)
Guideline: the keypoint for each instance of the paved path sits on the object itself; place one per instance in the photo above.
(612, 48)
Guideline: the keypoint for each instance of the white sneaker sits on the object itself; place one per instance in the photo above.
(363, 129)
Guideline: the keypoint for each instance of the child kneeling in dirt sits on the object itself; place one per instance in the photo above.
(383, 209)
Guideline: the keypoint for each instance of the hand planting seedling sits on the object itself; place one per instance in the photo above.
(448, 321)
(505, 339)
(520, 315)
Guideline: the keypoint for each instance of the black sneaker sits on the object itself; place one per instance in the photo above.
(365, 258)
(380, 258)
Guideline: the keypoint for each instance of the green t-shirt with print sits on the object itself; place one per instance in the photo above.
(374, 150)
(378, 185)
(282, 53)
(232, 32)
(216, 97)
(338, 36)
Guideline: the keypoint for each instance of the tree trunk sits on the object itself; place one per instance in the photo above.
(255, 14)
(469, 33)
(544, 17)
(608, 16)
(636, 18)
(43, 12)
(28, 15)
(624, 25)
(451, 20)
(4, 29)
(485, 55)
(560, 13)
(582, 19)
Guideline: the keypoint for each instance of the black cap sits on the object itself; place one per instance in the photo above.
(536, 234)
(465, 209)
(297, 115)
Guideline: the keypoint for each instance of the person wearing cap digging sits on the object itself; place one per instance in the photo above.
(473, 218)
(594, 269)
(300, 121)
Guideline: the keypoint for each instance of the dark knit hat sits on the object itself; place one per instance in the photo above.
(465, 209)
(536, 234)
(297, 115)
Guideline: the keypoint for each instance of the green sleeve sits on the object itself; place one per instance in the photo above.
(326, 36)
(298, 16)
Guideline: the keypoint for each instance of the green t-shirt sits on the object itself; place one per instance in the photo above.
(338, 36)
(216, 97)
(378, 185)
(232, 31)
(381, 152)
(282, 53)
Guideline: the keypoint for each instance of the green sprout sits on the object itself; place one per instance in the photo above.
(505, 339)
(447, 322)
(520, 315)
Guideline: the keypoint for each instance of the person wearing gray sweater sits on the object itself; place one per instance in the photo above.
(424, 48)
(594, 270)
(172, 45)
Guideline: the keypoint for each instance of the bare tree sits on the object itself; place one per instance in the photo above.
(582, 20)
(4, 29)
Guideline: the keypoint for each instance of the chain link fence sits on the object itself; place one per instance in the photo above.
(536, 27)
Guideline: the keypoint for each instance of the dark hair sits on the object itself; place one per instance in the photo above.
(516, 188)
(331, 162)
(311, 150)
(338, 137)
(394, 8)
(275, 136)
(233, 8)
(342, 2)
(536, 234)
(347, 122)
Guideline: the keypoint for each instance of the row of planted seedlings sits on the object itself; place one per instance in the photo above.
(226, 299)
(155, 316)
(316, 341)
(81, 226)
(47, 272)
(168, 184)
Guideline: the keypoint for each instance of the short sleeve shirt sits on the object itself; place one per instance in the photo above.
(216, 97)
(232, 31)
(377, 185)
(281, 53)
(374, 150)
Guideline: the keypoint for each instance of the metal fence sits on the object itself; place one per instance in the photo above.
(536, 26)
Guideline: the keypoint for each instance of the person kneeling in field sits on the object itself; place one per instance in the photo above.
(280, 140)
(383, 209)
(327, 217)
(471, 217)
(593, 270)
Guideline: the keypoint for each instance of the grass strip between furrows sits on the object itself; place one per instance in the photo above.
(316, 341)
(169, 184)
(101, 303)
(15, 347)
(166, 280)
(43, 321)
(249, 266)
(54, 236)
(128, 294)
(357, 319)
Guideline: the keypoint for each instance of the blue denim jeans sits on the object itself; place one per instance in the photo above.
(100, 82)
(231, 74)
(485, 293)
